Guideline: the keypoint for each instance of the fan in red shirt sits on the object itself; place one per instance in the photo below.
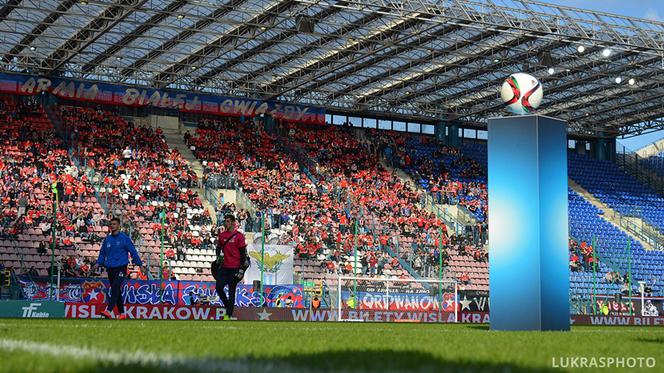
(233, 263)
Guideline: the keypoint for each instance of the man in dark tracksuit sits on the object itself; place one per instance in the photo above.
(235, 261)
(114, 255)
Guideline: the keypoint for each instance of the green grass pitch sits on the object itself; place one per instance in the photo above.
(239, 346)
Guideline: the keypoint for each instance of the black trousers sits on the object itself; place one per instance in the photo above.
(116, 277)
(227, 276)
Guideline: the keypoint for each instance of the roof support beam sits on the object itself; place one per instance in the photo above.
(652, 113)
(304, 50)
(444, 65)
(167, 76)
(376, 60)
(258, 49)
(183, 35)
(37, 30)
(339, 55)
(8, 7)
(612, 106)
(552, 21)
(135, 34)
(91, 32)
(445, 85)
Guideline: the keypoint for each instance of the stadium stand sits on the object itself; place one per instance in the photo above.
(587, 224)
(33, 160)
(138, 177)
(449, 175)
(620, 191)
(390, 204)
(307, 214)
(309, 181)
(656, 163)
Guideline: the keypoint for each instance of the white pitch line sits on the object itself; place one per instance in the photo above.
(143, 358)
(163, 361)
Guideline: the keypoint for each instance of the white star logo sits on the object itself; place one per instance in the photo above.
(465, 303)
(264, 315)
(93, 294)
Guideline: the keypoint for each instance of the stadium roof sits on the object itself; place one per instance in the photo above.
(413, 59)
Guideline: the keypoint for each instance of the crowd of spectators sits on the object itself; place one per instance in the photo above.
(141, 179)
(442, 170)
(246, 153)
(345, 199)
(581, 256)
(34, 168)
(386, 207)
(312, 216)
(355, 202)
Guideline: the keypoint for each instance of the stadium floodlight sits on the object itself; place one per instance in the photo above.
(496, 60)
(606, 52)
(32, 48)
(631, 81)
(618, 80)
(551, 70)
(580, 49)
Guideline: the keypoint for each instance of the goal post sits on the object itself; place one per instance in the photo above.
(396, 299)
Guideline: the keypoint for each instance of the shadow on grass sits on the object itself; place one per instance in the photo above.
(659, 340)
(479, 327)
(330, 361)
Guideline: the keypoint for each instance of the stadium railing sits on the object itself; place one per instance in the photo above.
(217, 181)
(306, 163)
(639, 168)
(243, 201)
(645, 233)
(212, 196)
(428, 203)
(15, 289)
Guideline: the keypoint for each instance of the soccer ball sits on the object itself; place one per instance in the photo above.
(522, 93)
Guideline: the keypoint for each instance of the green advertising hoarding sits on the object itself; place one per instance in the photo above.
(32, 309)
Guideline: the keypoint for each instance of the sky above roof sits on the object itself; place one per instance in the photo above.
(648, 9)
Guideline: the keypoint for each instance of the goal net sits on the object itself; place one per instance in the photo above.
(396, 300)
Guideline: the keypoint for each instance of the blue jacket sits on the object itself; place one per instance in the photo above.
(114, 250)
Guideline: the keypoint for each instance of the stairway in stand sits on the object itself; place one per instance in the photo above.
(175, 140)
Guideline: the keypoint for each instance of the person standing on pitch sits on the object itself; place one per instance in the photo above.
(114, 255)
(232, 261)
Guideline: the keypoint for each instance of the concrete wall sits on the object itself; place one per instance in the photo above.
(651, 149)
(141, 121)
(166, 123)
(229, 195)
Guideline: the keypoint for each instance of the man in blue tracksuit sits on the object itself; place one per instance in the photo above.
(114, 256)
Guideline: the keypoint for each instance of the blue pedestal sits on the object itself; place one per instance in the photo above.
(528, 233)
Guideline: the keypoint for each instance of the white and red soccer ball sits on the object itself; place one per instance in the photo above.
(521, 93)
